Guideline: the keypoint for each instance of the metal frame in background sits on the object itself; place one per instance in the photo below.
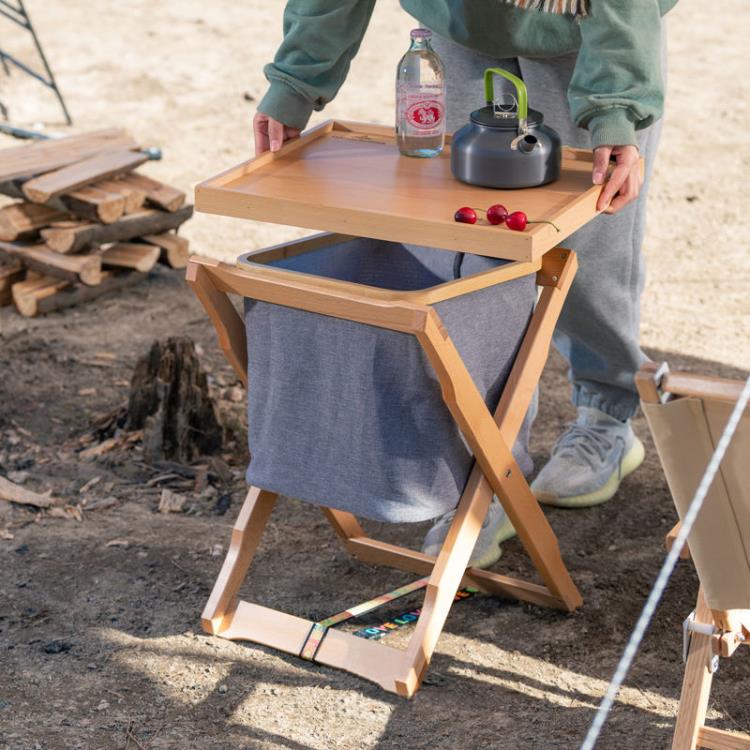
(17, 13)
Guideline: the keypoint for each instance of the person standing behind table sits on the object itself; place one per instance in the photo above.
(594, 68)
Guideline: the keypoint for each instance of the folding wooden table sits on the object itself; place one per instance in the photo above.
(349, 179)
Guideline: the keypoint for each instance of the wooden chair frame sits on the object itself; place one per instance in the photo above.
(490, 439)
(709, 634)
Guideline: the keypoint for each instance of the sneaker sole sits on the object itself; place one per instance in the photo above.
(631, 461)
(495, 552)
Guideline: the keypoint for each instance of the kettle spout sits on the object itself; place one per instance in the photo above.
(527, 144)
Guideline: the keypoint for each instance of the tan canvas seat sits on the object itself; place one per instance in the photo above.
(687, 415)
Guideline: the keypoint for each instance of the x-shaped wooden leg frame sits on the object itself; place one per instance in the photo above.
(490, 439)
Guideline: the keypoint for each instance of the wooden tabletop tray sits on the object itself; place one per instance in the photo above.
(350, 178)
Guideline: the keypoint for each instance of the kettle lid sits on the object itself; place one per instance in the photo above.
(492, 117)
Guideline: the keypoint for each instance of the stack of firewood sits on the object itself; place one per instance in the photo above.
(87, 224)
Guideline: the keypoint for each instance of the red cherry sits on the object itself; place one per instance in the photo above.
(466, 215)
(497, 213)
(517, 221)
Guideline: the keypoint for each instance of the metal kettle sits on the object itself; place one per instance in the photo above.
(503, 148)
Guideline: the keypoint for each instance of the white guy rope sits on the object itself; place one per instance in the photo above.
(666, 571)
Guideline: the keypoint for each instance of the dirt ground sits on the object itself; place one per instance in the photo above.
(100, 641)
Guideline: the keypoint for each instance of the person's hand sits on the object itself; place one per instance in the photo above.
(623, 184)
(270, 133)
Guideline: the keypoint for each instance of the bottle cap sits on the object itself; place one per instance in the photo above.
(425, 33)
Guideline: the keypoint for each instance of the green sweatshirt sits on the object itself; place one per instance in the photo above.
(616, 86)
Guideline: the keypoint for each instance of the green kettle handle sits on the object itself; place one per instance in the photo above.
(521, 95)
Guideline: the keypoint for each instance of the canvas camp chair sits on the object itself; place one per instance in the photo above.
(489, 439)
(687, 415)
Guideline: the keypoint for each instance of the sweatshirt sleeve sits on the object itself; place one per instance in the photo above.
(617, 87)
(321, 37)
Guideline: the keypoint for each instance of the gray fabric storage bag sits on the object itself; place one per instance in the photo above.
(351, 416)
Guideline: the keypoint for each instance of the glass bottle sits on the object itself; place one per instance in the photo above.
(420, 98)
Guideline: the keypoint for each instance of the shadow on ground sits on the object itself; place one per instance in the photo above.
(100, 644)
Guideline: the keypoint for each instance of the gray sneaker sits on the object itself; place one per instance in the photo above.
(589, 461)
(495, 530)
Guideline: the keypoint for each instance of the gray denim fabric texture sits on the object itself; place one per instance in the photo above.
(598, 330)
(351, 416)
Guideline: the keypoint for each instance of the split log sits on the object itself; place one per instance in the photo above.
(14, 493)
(71, 239)
(43, 156)
(40, 296)
(87, 203)
(23, 220)
(138, 256)
(157, 193)
(10, 273)
(84, 268)
(71, 236)
(85, 172)
(134, 197)
(12, 188)
(169, 401)
(94, 204)
(174, 250)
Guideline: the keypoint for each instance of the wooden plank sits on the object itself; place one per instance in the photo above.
(84, 268)
(23, 220)
(36, 158)
(134, 197)
(94, 204)
(702, 386)
(174, 250)
(68, 179)
(230, 327)
(11, 272)
(149, 221)
(494, 458)
(344, 524)
(304, 292)
(257, 259)
(45, 295)
(671, 538)
(527, 368)
(375, 552)
(696, 683)
(358, 183)
(246, 534)
(157, 193)
(718, 739)
(134, 255)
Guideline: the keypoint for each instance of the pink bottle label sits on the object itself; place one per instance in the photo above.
(421, 109)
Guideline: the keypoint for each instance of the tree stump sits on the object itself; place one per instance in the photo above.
(169, 401)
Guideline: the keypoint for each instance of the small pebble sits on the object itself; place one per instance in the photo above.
(223, 689)
(223, 504)
(57, 647)
(103, 706)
